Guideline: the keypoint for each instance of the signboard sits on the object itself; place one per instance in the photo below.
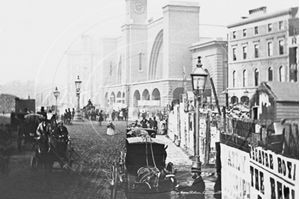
(235, 173)
(293, 41)
(273, 175)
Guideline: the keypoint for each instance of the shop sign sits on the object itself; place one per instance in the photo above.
(235, 173)
(293, 41)
(273, 175)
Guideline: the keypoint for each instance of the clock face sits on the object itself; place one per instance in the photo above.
(138, 8)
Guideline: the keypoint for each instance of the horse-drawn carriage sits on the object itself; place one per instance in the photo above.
(27, 130)
(141, 169)
(54, 146)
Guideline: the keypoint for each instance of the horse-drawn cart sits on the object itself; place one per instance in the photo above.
(141, 170)
(54, 147)
(27, 130)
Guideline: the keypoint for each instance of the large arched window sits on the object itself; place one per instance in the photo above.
(256, 77)
(270, 74)
(281, 74)
(233, 79)
(244, 78)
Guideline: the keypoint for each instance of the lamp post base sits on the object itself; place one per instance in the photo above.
(78, 117)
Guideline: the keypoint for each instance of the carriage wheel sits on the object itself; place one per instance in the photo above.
(114, 181)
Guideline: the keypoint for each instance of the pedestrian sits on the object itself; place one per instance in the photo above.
(73, 113)
(154, 123)
(66, 117)
(100, 117)
(69, 114)
(121, 115)
(197, 189)
(113, 115)
(150, 123)
(144, 122)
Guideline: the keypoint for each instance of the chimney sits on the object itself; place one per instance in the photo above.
(257, 11)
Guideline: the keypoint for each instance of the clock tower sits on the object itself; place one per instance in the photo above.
(136, 11)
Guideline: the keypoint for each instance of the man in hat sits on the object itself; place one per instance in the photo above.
(198, 187)
(43, 112)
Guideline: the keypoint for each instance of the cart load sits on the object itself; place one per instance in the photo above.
(141, 170)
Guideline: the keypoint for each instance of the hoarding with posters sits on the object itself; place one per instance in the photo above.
(235, 173)
(273, 175)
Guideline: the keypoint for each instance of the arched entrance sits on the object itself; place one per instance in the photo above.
(177, 93)
(245, 99)
(156, 94)
(234, 99)
(136, 98)
(112, 98)
(119, 97)
(146, 95)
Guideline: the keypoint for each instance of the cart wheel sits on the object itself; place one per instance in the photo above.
(114, 182)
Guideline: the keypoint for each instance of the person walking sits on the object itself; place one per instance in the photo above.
(100, 117)
(144, 123)
(113, 115)
(150, 123)
(154, 123)
(73, 113)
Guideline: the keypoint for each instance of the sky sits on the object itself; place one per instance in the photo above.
(35, 34)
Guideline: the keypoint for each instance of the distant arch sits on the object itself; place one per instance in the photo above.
(118, 97)
(136, 98)
(234, 99)
(155, 94)
(177, 93)
(146, 95)
(245, 99)
(112, 98)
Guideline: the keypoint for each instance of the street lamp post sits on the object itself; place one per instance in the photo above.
(56, 94)
(77, 116)
(198, 77)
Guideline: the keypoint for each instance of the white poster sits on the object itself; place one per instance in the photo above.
(235, 173)
(273, 175)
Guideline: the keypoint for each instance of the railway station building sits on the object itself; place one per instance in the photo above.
(149, 65)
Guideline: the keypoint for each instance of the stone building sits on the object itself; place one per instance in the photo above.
(260, 49)
(214, 55)
(149, 65)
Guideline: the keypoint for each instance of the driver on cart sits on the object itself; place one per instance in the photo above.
(42, 129)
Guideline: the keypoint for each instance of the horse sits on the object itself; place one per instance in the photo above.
(43, 154)
(52, 146)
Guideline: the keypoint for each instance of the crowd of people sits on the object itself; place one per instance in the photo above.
(68, 116)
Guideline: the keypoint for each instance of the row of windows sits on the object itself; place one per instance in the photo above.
(256, 50)
(256, 30)
(270, 76)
